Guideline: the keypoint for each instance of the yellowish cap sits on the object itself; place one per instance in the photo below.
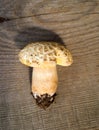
(40, 54)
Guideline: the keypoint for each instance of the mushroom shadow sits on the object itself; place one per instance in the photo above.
(35, 34)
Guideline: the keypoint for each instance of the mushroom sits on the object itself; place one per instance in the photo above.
(43, 57)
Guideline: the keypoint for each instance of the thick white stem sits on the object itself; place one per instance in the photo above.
(44, 80)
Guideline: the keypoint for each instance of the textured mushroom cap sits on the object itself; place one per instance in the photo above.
(42, 53)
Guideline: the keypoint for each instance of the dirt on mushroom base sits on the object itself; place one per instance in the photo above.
(45, 100)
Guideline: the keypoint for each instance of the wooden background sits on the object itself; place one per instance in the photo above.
(72, 22)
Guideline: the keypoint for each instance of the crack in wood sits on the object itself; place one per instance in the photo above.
(2, 19)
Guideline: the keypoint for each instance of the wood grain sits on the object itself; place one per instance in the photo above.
(73, 23)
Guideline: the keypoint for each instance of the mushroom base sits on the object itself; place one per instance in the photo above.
(45, 100)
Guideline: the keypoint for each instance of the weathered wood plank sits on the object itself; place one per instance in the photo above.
(74, 23)
(28, 8)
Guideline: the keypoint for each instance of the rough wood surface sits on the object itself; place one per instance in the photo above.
(72, 22)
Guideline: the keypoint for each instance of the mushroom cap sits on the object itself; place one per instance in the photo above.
(44, 54)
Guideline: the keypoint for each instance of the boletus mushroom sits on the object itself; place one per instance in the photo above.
(43, 57)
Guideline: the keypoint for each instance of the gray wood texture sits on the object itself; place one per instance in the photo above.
(72, 22)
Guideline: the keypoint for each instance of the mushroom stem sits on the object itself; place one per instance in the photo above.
(44, 80)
